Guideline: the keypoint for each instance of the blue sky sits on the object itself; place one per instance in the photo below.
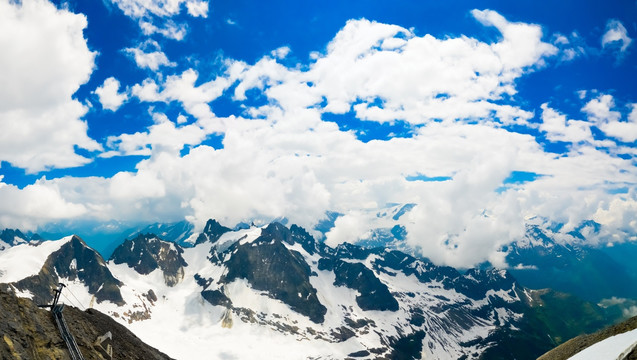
(486, 115)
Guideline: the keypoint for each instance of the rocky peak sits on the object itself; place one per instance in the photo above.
(268, 265)
(11, 237)
(74, 260)
(277, 231)
(147, 252)
(475, 283)
(211, 232)
(307, 241)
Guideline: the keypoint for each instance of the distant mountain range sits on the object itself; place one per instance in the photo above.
(241, 292)
(538, 261)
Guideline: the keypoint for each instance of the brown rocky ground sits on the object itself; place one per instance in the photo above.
(28, 332)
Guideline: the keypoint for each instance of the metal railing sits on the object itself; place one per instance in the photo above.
(68, 338)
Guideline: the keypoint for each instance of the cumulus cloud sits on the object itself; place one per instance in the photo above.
(34, 204)
(601, 112)
(44, 60)
(166, 28)
(281, 158)
(570, 46)
(109, 95)
(161, 8)
(558, 128)
(149, 56)
(197, 8)
(162, 136)
(416, 79)
(616, 35)
(182, 88)
(154, 16)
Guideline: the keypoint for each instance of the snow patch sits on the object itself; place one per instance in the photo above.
(23, 260)
(614, 348)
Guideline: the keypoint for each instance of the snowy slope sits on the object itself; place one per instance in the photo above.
(613, 348)
(24, 260)
(326, 303)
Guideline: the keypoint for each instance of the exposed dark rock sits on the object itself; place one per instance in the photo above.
(73, 260)
(362, 353)
(269, 266)
(307, 241)
(475, 283)
(374, 295)
(408, 347)
(216, 297)
(277, 231)
(342, 333)
(146, 253)
(212, 232)
(11, 237)
(151, 296)
(360, 323)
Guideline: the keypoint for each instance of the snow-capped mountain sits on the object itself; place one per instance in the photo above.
(178, 232)
(546, 259)
(10, 237)
(246, 292)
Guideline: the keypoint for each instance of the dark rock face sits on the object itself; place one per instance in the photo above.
(147, 253)
(269, 266)
(424, 271)
(74, 260)
(212, 232)
(27, 332)
(277, 231)
(216, 297)
(307, 241)
(475, 283)
(374, 295)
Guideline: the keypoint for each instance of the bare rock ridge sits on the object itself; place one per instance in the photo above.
(147, 252)
(28, 332)
(74, 260)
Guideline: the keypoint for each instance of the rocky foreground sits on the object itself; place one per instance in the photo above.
(29, 332)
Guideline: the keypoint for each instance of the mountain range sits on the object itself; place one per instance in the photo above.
(247, 291)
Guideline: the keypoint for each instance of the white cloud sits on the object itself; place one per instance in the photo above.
(197, 8)
(558, 128)
(109, 95)
(570, 47)
(599, 111)
(182, 88)
(281, 52)
(34, 204)
(417, 79)
(521, 45)
(167, 28)
(150, 56)
(163, 136)
(616, 34)
(282, 159)
(154, 16)
(44, 60)
(161, 8)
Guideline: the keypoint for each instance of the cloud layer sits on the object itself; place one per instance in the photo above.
(283, 154)
(44, 60)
